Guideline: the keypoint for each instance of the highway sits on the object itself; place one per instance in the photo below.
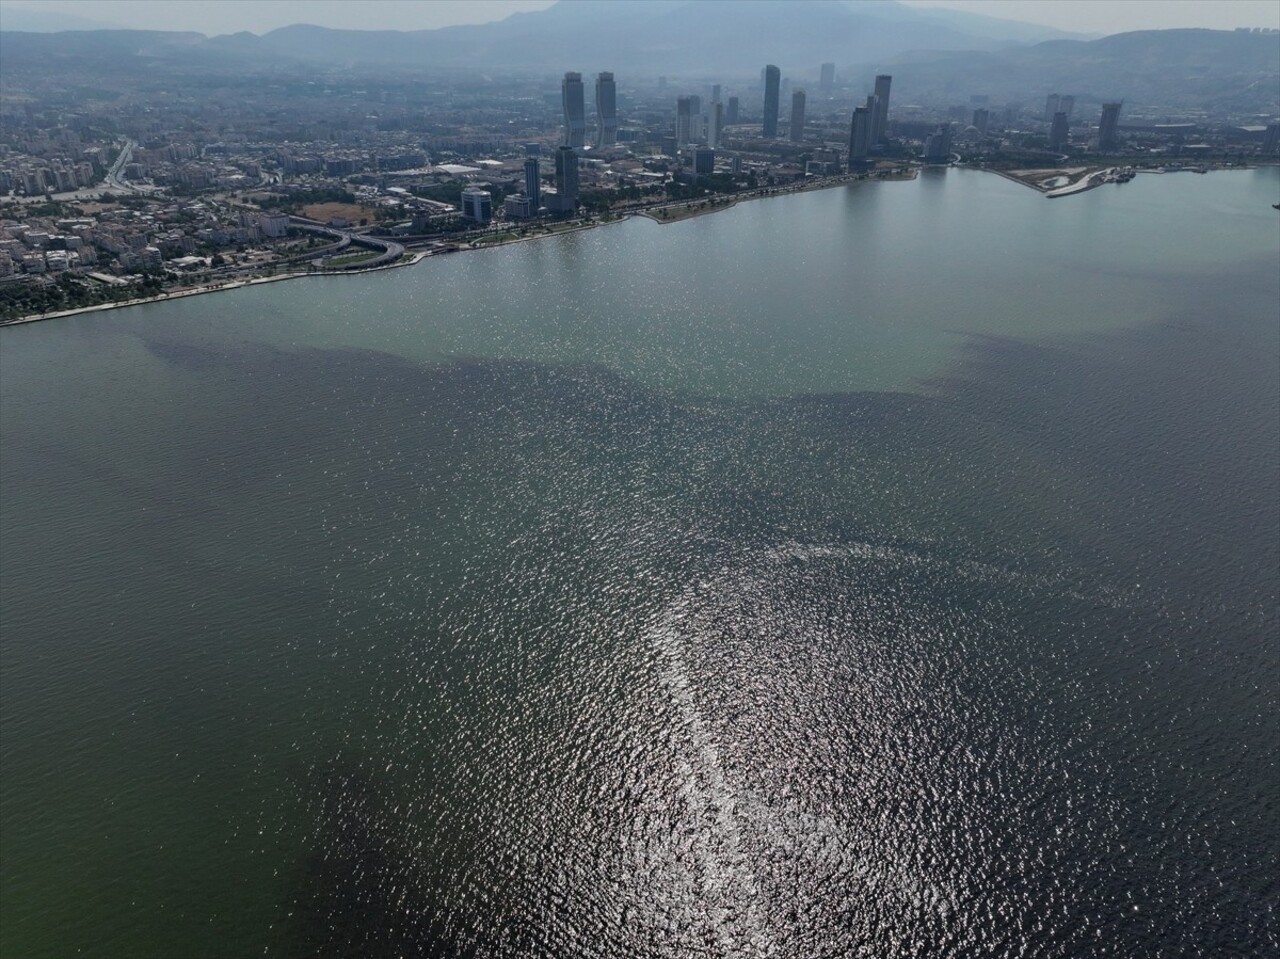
(114, 181)
(391, 251)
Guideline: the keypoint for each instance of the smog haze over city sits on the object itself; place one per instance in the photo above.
(639, 478)
(233, 16)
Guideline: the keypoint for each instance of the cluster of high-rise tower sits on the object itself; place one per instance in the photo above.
(1057, 113)
(575, 111)
(868, 129)
(573, 102)
(870, 124)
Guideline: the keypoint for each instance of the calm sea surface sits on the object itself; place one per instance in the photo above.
(884, 571)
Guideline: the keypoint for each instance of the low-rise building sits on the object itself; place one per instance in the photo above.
(519, 207)
(273, 224)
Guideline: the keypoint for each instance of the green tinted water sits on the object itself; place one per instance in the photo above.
(873, 286)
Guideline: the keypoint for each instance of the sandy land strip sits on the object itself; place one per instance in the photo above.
(1033, 178)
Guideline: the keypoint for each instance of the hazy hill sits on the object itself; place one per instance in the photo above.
(112, 50)
(649, 36)
(48, 20)
(994, 28)
(1192, 68)
(932, 54)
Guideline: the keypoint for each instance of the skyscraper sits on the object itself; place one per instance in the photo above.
(883, 82)
(1059, 134)
(1109, 127)
(1051, 106)
(827, 78)
(731, 111)
(772, 79)
(684, 121)
(937, 146)
(606, 110)
(715, 125)
(1067, 105)
(575, 111)
(797, 116)
(533, 183)
(982, 119)
(873, 108)
(567, 173)
(860, 137)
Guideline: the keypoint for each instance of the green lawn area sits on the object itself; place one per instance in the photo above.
(353, 258)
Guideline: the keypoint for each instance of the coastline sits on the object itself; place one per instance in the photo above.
(409, 260)
(681, 210)
(1034, 178)
(688, 209)
(1083, 179)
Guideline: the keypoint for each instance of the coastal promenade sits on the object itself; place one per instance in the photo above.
(218, 287)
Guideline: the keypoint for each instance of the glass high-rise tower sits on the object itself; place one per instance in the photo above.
(860, 137)
(533, 183)
(606, 110)
(567, 173)
(797, 116)
(575, 111)
(684, 121)
(881, 124)
(1109, 127)
(772, 80)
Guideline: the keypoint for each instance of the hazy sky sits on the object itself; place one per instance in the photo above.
(1114, 16)
(259, 16)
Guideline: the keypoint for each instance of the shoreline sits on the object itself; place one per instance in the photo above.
(684, 211)
(412, 258)
(1034, 177)
(226, 286)
(681, 212)
(1088, 178)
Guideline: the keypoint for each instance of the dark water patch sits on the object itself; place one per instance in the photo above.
(1169, 432)
(796, 722)
(187, 355)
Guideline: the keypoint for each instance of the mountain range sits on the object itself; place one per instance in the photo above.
(662, 36)
(931, 53)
